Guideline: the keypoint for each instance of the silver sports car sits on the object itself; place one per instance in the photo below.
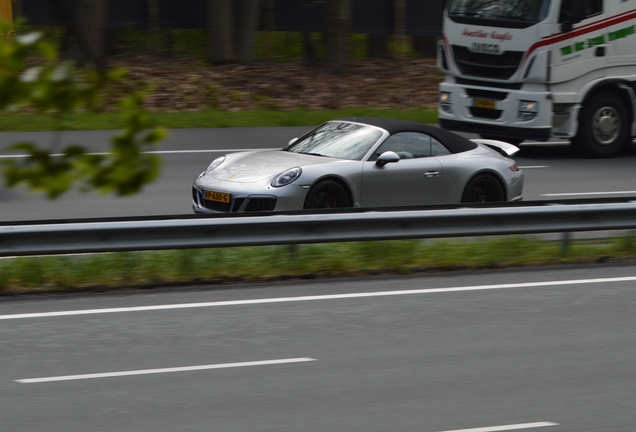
(361, 162)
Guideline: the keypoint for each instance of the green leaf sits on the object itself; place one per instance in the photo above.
(31, 75)
(53, 89)
(61, 73)
(29, 38)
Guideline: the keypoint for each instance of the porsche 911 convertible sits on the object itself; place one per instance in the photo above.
(361, 162)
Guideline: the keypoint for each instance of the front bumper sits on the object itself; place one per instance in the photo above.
(237, 204)
(248, 199)
(502, 121)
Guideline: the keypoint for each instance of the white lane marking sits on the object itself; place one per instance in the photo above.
(591, 193)
(165, 370)
(317, 297)
(52, 155)
(508, 427)
(160, 152)
(547, 142)
(208, 151)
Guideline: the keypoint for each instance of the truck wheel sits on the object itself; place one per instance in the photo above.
(603, 126)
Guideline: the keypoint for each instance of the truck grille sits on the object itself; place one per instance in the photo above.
(482, 65)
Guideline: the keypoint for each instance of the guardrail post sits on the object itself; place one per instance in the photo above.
(566, 243)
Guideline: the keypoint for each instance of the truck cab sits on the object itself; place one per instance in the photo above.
(520, 70)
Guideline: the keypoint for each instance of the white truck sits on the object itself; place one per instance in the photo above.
(520, 70)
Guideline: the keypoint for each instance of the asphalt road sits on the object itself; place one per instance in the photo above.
(543, 350)
(552, 170)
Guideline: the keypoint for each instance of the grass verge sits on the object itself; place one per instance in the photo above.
(208, 266)
(203, 119)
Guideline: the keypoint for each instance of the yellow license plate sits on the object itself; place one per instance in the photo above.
(485, 103)
(216, 196)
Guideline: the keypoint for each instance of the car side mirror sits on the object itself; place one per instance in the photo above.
(386, 158)
(293, 140)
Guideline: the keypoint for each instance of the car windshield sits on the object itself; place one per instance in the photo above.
(528, 11)
(336, 139)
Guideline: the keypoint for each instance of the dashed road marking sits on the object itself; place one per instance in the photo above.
(508, 427)
(590, 193)
(162, 371)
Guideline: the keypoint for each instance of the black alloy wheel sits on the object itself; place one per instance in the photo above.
(483, 188)
(327, 194)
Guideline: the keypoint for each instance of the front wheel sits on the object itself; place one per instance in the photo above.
(603, 126)
(483, 188)
(327, 194)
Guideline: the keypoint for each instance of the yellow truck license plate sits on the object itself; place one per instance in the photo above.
(484, 103)
(216, 196)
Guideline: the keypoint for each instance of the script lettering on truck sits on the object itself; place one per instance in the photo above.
(502, 37)
(484, 47)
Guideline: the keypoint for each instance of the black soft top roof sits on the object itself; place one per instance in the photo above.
(453, 142)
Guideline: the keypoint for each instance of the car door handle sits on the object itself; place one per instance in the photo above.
(431, 174)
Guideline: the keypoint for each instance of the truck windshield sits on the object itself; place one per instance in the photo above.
(526, 12)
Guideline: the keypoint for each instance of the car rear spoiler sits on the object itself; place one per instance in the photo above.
(502, 147)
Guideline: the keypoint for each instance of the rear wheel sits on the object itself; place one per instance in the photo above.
(603, 126)
(327, 194)
(483, 188)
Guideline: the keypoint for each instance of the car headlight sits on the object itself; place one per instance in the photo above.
(287, 177)
(214, 165)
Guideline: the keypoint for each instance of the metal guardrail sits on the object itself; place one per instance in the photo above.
(179, 232)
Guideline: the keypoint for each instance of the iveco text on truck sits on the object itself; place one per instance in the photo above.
(538, 69)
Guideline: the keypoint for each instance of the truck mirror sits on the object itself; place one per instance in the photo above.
(572, 12)
(578, 11)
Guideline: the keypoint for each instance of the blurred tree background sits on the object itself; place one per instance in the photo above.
(240, 31)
